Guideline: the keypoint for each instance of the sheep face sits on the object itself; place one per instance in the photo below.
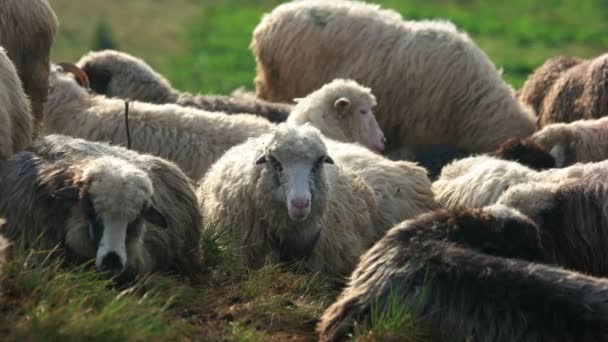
(293, 165)
(109, 201)
(358, 115)
(342, 110)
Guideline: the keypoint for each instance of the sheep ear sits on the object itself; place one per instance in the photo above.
(558, 152)
(81, 76)
(260, 160)
(155, 217)
(328, 160)
(70, 193)
(342, 104)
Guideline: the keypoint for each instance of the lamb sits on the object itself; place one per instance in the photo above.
(433, 84)
(579, 141)
(479, 181)
(470, 274)
(539, 83)
(27, 32)
(579, 93)
(130, 213)
(118, 74)
(16, 123)
(282, 198)
(192, 138)
(402, 189)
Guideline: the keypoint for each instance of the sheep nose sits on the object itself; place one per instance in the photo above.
(383, 140)
(300, 203)
(111, 263)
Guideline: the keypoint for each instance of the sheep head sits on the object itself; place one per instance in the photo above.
(108, 201)
(292, 163)
(342, 110)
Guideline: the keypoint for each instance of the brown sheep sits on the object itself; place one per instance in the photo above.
(581, 92)
(118, 74)
(540, 82)
(27, 32)
(130, 213)
(433, 84)
(15, 115)
(460, 272)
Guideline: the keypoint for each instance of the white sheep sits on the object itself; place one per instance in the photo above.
(433, 83)
(192, 138)
(282, 198)
(480, 181)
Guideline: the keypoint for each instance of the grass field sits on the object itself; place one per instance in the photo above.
(203, 46)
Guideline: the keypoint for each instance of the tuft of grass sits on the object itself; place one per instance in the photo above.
(393, 321)
(46, 301)
(241, 332)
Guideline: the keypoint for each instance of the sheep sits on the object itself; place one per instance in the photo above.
(341, 110)
(197, 138)
(540, 82)
(524, 151)
(479, 181)
(579, 93)
(402, 189)
(16, 122)
(131, 213)
(470, 274)
(433, 84)
(118, 74)
(27, 32)
(579, 141)
(572, 220)
(281, 198)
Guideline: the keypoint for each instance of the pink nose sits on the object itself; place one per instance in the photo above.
(300, 203)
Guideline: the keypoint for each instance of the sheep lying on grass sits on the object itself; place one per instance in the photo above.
(283, 199)
(402, 189)
(16, 125)
(433, 83)
(192, 138)
(131, 213)
(479, 181)
(460, 272)
(118, 74)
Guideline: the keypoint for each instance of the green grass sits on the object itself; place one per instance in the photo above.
(47, 301)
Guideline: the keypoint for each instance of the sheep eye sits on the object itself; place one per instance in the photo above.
(275, 164)
(363, 111)
(318, 164)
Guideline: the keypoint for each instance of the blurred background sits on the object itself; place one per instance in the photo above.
(202, 45)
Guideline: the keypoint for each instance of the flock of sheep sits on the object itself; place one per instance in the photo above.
(384, 149)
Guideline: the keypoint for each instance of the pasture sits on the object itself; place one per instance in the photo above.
(202, 46)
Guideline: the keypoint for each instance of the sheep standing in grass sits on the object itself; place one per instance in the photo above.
(16, 123)
(460, 272)
(579, 141)
(281, 198)
(539, 83)
(581, 92)
(118, 74)
(402, 189)
(27, 32)
(433, 84)
(192, 138)
(130, 213)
